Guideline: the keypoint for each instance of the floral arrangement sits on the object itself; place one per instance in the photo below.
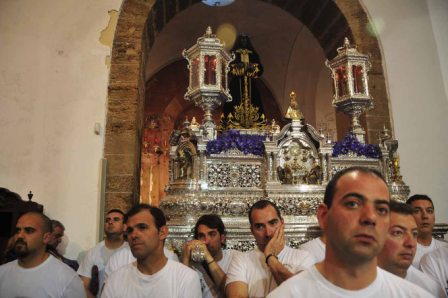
(232, 139)
(351, 144)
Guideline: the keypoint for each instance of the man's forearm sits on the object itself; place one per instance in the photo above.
(279, 272)
(218, 276)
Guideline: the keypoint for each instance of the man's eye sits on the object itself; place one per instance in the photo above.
(352, 204)
(383, 210)
(396, 233)
(430, 211)
(142, 226)
(29, 230)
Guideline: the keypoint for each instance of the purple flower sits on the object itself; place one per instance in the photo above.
(351, 144)
(248, 144)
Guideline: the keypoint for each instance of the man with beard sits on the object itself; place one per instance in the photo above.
(355, 219)
(399, 249)
(152, 275)
(36, 273)
(424, 216)
(257, 272)
(210, 237)
(99, 255)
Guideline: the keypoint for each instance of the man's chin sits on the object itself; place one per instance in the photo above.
(21, 252)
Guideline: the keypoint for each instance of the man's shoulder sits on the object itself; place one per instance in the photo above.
(297, 256)
(230, 253)
(180, 269)
(439, 243)
(95, 249)
(401, 287)
(120, 273)
(440, 253)
(8, 266)
(59, 267)
(316, 242)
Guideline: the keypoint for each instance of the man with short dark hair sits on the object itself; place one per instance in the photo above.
(209, 240)
(56, 236)
(355, 220)
(36, 273)
(97, 257)
(424, 216)
(399, 249)
(152, 275)
(257, 272)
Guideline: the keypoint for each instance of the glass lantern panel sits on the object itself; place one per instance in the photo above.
(358, 82)
(341, 80)
(194, 73)
(223, 75)
(210, 70)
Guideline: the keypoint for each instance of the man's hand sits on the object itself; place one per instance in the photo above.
(277, 242)
(189, 246)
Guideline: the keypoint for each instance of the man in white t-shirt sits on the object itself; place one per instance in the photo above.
(435, 264)
(399, 249)
(152, 275)
(315, 247)
(36, 273)
(355, 220)
(99, 255)
(205, 254)
(123, 256)
(257, 272)
(424, 216)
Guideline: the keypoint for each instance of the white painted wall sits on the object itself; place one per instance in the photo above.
(53, 82)
(417, 91)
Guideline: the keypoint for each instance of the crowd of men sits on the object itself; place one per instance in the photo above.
(370, 247)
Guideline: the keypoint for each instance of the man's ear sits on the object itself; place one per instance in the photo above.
(163, 232)
(46, 237)
(223, 238)
(322, 212)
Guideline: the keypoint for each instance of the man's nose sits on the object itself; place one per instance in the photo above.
(270, 231)
(409, 241)
(368, 214)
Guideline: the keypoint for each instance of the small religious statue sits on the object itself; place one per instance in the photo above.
(275, 128)
(194, 125)
(293, 112)
(314, 176)
(395, 170)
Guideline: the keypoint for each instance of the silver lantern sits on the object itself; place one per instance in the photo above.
(208, 64)
(350, 82)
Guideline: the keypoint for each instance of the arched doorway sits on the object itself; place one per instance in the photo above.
(139, 27)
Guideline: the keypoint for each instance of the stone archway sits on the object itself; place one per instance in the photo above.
(137, 28)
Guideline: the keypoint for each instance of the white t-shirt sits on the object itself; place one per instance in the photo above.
(99, 255)
(172, 281)
(208, 287)
(435, 264)
(250, 267)
(124, 256)
(311, 283)
(422, 250)
(316, 248)
(424, 281)
(52, 278)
